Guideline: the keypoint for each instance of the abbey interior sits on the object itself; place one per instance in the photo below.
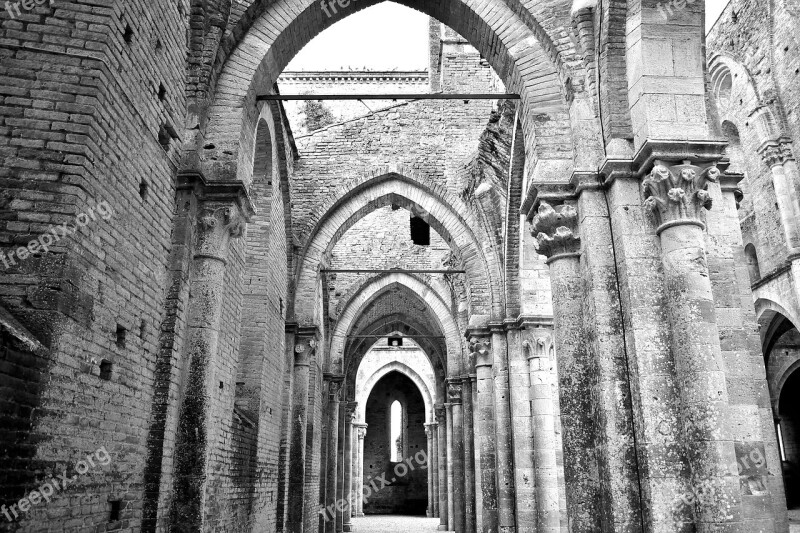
(549, 283)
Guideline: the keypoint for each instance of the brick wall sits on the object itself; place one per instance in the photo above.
(83, 111)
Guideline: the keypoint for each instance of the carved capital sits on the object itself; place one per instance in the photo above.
(556, 230)
(454, 389)
(677, 194)
(217, 223)
(440, 413)
(361, 431)
(350, 412)
(335, 383)
(480, 350)
(304, 348)
(776, 152)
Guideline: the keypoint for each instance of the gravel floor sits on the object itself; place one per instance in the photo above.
(394, 524)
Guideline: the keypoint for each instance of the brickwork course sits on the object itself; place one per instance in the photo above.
(584, 298)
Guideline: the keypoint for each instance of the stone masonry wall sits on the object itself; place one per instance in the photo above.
(92, 97)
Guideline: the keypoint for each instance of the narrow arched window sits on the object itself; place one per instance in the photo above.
(395, 432)
(752, 263)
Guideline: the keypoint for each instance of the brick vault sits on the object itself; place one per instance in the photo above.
(572, 307)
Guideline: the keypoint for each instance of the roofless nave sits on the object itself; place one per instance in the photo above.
(559, 296)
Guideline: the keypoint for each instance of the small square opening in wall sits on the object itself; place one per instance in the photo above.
(122, 334)
(395, 341)
(116, 510)
(420, 232)
(106, 367)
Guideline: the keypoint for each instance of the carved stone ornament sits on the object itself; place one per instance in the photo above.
(454, 391)
(776, 152)
(479, 346)
(334, 388)
(216, 225)
(677, 194)
(556, 230)
(441, 414)
(350, 411)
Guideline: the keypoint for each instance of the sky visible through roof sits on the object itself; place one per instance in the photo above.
(389, 36)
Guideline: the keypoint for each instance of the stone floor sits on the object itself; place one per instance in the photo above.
(394, 524)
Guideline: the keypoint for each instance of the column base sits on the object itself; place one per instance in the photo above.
(347, 528)
(358, 515)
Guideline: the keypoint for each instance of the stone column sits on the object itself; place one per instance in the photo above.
(469, 456)
(441, 419)
(329, 516)
(433, 465)
(676, 195)
(305, 342)
(506, 494)
(778, 156)
(476, 452)
(358, 486)
(347, 495)
(220, 219)
(429, 512)
(557, 238)
(340, 469)
(480, 347)
(450, 468)
(521, 426)
(548, 518)
(456, 438)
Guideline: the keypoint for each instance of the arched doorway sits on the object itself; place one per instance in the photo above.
(781, 346)
(395, 480)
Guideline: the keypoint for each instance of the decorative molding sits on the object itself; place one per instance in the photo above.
(480, 350)
(776, 152)
(335, 382)
(350, 409)
(556, 231)
(440, 413)
(454, 390)
(677, 194)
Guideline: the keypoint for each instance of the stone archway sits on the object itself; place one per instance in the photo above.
(448, 218)
(266, 38)
(370, 291)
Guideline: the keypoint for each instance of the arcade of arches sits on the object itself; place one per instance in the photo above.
(571, 309)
